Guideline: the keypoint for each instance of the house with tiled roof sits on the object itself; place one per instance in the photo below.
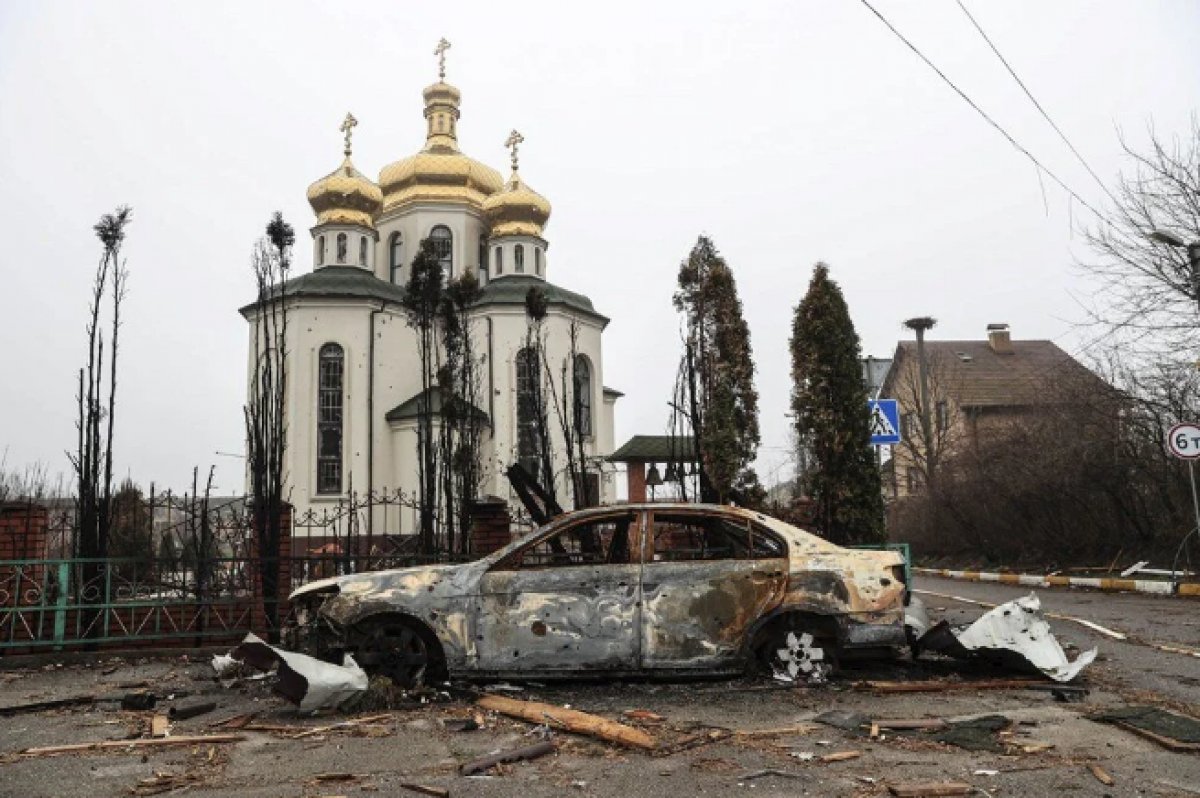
(975, 390)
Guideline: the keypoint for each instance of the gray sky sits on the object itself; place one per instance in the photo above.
(790, 132)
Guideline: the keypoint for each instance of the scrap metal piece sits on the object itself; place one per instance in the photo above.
(1014, 634)
(306, 681)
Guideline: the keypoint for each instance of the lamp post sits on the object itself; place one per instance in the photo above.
(1193, 252)
(919, 325)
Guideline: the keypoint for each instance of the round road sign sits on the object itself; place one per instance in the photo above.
(1184, 441)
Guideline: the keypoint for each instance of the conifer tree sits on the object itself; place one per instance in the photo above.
(829, 402)
(719, 401)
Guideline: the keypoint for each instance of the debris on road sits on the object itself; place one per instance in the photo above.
(570, 719)
(761, 774)
(844, 719)
(839, 756)
(119, 745)
(306, 681)
(514, 755)
(138, 702)
(1102, 775)
(781, 731)
(929, 789)
(1014, 634)
(42, 706)
(644, 715)
(185, 711)
(939, 686)
(1171, 730)
(436, 792)
(159, 726)
(976, 734)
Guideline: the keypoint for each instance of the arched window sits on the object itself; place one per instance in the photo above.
(362, 250)
(330, 376)
(528, 407)
(537, 260)
(443, 247)
(341, 248)
(483, 260)
(499, 260)
(583, 396)
(519, 259)
(395, 255)
(320, 250)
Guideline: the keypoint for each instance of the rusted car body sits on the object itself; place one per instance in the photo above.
(626, 589)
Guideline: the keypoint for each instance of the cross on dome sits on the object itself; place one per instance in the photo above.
(348, 125)
(440, 52)
(514, 139)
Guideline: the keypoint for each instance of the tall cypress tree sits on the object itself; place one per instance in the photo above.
(717, 377)
(829, 402)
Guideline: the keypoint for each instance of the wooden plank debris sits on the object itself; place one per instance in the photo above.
(159, 725)
(939, 687)
(108, 745)
(570, 719)
(437, 792)
(1101, 775)
(839, 756)
(512, 755)
(902, 724)
(932, 789)
(799, 728)
(42, 706)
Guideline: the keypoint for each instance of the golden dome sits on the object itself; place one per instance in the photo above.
(518, 210)
(439, 172)
(345, 196)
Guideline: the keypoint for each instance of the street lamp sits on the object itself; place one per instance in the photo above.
(919, 325)
(1193, 251)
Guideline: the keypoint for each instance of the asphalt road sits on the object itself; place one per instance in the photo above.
(1129, 665)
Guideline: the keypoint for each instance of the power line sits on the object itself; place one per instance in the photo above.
(1036, 104)
(983, 113)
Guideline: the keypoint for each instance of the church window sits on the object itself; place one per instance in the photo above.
(583, 396)
(320, 250)
(395, 256)
(330, 374)
(443, 247)
(362, 250)
(537, 260)
(499, 260)
(341, 247)
(483, 260)
(519, 259)
(528, 405)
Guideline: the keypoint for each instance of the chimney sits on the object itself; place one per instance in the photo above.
(999, 339)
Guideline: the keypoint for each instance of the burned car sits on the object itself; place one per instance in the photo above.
(620, 590)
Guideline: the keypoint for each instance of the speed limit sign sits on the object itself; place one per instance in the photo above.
(1184, 441)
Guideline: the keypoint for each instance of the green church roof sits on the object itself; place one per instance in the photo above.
(411, 408)
(511, 290)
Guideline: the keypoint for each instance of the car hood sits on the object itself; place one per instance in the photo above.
(412, 581)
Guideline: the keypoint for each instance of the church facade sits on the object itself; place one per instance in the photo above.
(353, 369)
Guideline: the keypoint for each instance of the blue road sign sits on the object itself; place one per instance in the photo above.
(885, 421)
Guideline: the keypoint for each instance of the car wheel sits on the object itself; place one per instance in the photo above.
(794, 654)
(393, 648)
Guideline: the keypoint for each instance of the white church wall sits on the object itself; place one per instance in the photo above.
(415, 224)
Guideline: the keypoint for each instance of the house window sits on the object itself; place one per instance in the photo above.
(912, 479)
(395, 256)
(499, 261)
(537, 260)
(942, 414)
(443, 248)
(528, 405)
(341, 247)
(519, 259)
(320, 250)
(906, 426)
(583, 396)
(362, 250)
(330, 374)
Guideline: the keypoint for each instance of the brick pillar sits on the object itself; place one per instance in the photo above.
(491, 526)
(23, 531)
(635, 473)
(260, 612)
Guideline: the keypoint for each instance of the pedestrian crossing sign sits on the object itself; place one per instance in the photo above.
(885, 421)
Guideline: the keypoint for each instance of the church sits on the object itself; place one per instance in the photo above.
(353, 370)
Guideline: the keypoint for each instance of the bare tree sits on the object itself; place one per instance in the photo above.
(568, 403)
(1149, 277)
(921, 448)
(266, 410)
(92, 459)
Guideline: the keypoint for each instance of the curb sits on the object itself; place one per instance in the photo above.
(1106, 584)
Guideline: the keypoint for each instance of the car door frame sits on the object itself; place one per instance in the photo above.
(521, 627)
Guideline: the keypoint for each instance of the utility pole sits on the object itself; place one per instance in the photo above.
(919, 325)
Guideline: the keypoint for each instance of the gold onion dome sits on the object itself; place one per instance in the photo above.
(518, 210)
(345, 195)
(439, 172)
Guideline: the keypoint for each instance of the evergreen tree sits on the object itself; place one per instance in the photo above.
(829, 401)
(717, 378)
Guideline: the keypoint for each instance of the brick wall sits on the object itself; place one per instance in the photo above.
(23, 531)
(491, 526)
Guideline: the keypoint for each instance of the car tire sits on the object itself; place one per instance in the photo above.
(398, 649)
(796, 654)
